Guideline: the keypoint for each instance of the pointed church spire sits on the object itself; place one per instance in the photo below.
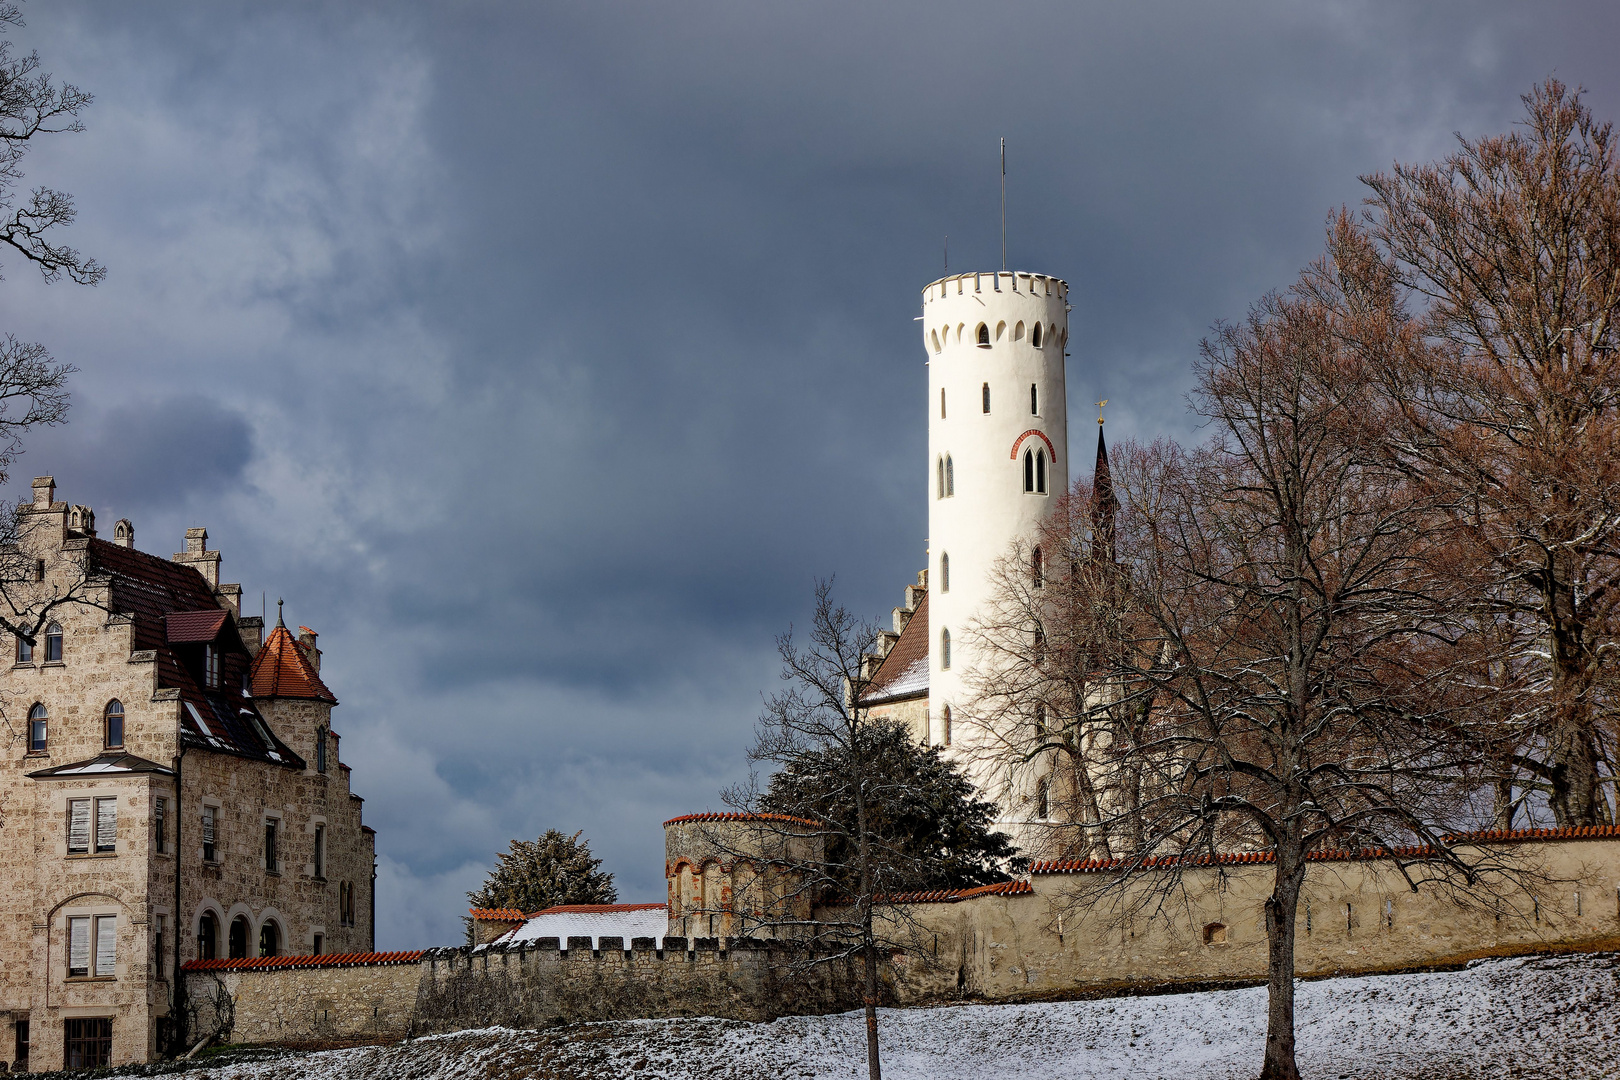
(278, 614)
(1103, 503)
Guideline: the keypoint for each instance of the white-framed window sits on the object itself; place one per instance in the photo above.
(25, 652)
(92, 826)
(112, 727)
(39, 720)
(53, 643)
(92, 946)
(1035, 472)
(211, 666)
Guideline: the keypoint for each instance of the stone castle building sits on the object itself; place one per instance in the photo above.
(172, 791)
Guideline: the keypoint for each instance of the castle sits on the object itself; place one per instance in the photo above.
(172, 791)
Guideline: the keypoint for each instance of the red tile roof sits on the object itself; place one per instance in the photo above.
(596, 909)
(1416, 851)
(262, 963)
(739, 817)
(497, 914)
(282, 670)
(194, 626)
(953, 896)
(904, 672)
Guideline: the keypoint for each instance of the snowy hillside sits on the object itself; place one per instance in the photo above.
(1536, 1017)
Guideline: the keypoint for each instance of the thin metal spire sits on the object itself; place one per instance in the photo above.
(1003, 204)
(278, 614)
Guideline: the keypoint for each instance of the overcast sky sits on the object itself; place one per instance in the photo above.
(542, 355)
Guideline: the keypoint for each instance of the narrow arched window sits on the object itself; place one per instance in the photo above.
(950, 477)
(944, 650)
(38, 725)
(1035, 336)
(986, 397)
(945, 726)
(269, 939)
(113, 727)
(1035, 567)
(25, 652)
(939, 468)
(207, 936)
(1029, 470)
(238, 945)
(984, 335)
(53, 644)
(942, 403)
(320, 748)
(945, 571)
(1040, 719)
(1043, 800)
(934, 336)
(1034, 400)
(1040, 645)
(1040, 472)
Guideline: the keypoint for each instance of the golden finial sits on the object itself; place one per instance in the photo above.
(1100, 405)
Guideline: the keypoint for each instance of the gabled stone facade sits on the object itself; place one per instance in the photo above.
(159, 708)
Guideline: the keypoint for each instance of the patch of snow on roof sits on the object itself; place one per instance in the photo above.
(651, 921)
(913, 680)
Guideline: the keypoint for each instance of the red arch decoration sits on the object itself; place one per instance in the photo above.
(1033, 431)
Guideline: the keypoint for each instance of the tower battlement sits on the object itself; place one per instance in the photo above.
(1010, 281)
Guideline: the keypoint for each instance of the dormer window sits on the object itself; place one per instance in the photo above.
(53, 644)
(211, 666)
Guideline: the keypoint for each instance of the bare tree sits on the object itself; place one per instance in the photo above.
(1252, 653)
(1509, 250)
(815, 724)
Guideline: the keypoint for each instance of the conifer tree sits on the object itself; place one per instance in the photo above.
(537, 874)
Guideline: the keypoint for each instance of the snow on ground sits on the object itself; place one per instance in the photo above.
(1520, 1018)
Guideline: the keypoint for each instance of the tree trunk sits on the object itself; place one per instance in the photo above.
(1574, 797)
(874, 1066)
(1282, 912)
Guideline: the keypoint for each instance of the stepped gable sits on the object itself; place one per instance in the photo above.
(281, 669)
(172, 608)
(904, 672)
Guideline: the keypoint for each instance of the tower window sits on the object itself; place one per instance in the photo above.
(53, 644)
(1035, 336)
(1035, 472)
(987, 398)
(1018, 330)
(934, 336)
(320, 748)
(114, 726)
(1034, 400)
(944, 650)
(1035, 567)
(950, 477)
(942, 403)
(38, 723)
(1029, 470)
(1040, 471)
(945, 726)
(1043, 800)
(939, 469)
(983, 336)
(944, 572)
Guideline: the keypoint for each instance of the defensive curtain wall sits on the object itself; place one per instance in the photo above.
(1021, 940)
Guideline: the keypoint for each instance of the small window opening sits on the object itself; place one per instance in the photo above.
(318, 947)
(950, 477)
(211, 666)
(939, 467)
(269, 939)
(934, 338)
(1040, 472)
(945, 726)
(1215, 934)
(25, 652)
(1035, 336)
(78, 827)
(106, 826)
(1043, 801)
(1040, 719)
(1018, 330)
(272, 865)
(320, 748)
(87, 1042)
(1040, 645)
(942, 403)
(983, 336)
(114, 726)
(1034, 400)
(944, 650)
(320, 851)
(239, 938)
(159, 932)
(53, 644)
(945, 572)
(38, 729)
(1035, 567)
(160, 818)
(987, 398)
(210, 816)
(1029, 471)
(207, 936)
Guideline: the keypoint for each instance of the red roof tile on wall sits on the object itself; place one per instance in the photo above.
(738, 817)
(268, 963)
(496, 914)
(282, 670)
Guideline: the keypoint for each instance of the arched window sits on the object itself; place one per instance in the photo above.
(207, 936)
(1034, 400)
(945, 726)
(38, 722)
(944, 650)
(939, 468)
(942, 403)
(944, 571)
(1040, 645)
(1018, 331)
(950, 477)
(25, 652)
(320, 748)
(1043, 801)
(1035, 336)
(987, 397)
(1029, 470)
(934, 338)
(982, 335)
(269, 939)
(1040, 472)
(1040, 719)
(237, 948)
(113, 725)
(53, 644)
(1035, 567)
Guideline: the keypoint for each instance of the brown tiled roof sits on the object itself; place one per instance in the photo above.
(194, 626)
(596, 909)
(904, 672)
(953, 896)
(153, 592)
(1415, 851)
(282, 670)
(262, 963)
(497, 914)
(739, 817)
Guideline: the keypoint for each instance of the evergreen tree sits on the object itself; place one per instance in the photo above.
(538, 874)
(936, 832)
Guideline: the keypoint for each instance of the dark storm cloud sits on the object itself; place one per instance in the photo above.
(552, 350)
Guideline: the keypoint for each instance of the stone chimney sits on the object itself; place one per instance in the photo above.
(306, 641)
(44, 491)
(198, 555)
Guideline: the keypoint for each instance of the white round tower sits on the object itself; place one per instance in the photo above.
(998, 441)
